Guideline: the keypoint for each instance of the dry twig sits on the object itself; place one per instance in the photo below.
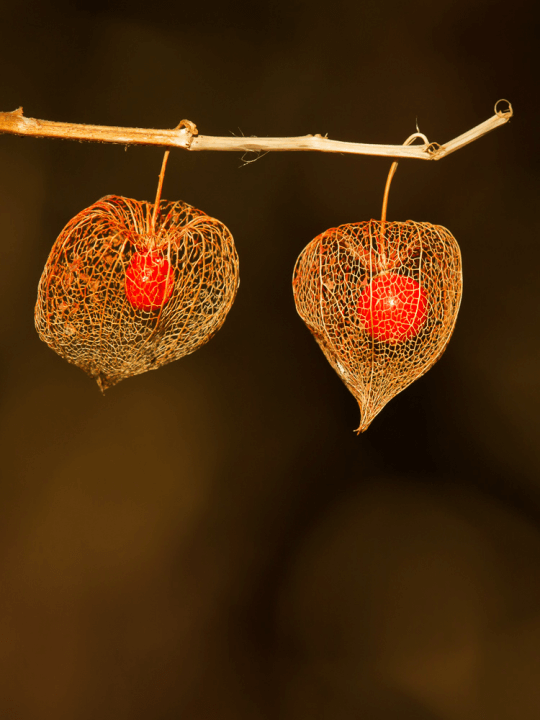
(186, 136)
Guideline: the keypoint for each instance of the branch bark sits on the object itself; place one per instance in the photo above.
(186, 136)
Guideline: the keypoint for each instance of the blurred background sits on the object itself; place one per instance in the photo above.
(212, 540)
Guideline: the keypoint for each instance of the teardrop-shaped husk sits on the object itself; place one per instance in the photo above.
(83, 312)
(339, 265)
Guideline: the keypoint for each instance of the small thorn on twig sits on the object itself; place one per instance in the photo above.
(190, 126)
(434, 149)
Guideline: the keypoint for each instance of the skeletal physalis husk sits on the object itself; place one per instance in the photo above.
(381, 299)
(92, 313)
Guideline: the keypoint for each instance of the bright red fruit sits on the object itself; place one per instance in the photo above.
(393, 307)
(149, 280)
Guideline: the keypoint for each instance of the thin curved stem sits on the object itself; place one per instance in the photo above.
(392, 172)
(158, 193)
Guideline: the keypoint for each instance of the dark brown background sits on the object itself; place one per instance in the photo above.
(212, 540)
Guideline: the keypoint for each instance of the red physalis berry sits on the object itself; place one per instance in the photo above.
(393, 307)
(149, 281)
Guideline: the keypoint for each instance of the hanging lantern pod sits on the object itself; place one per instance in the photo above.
(381, 299)
(130, 286)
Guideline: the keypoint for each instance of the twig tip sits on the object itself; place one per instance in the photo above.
(506, 112)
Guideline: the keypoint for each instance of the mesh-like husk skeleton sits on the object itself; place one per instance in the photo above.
(90, 308)
(381, 299)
